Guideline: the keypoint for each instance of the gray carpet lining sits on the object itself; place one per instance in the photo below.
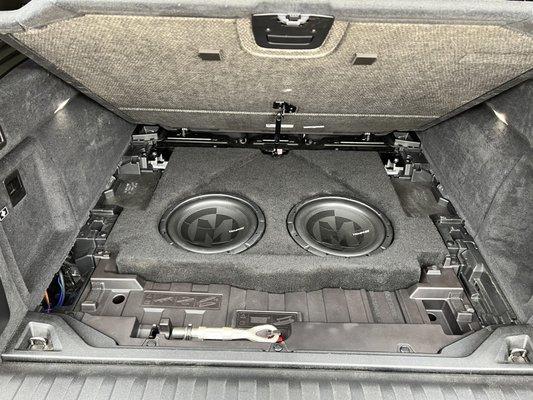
(484, 160)
(210, 179)
(317, 169)
(276, 263)
(65, 147)
(117, 57)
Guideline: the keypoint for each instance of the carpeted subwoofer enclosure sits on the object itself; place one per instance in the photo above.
(276, 263)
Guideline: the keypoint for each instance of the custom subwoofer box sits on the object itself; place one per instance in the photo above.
(349, 257)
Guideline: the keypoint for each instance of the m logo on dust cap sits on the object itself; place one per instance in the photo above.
(210, 227)
(213, 223)
(339, 226)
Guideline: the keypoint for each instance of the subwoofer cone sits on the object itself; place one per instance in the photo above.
(213, 223)
(339, 226)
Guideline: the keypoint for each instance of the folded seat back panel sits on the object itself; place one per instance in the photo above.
(154, 70)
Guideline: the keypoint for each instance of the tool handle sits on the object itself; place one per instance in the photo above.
(260, 333)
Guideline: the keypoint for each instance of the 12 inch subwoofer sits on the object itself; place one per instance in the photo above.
(339, 226)
(213, 223)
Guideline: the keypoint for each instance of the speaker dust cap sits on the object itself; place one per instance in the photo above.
(213, 223)
(339, 226)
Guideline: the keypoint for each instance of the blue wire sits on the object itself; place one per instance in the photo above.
(61, 283)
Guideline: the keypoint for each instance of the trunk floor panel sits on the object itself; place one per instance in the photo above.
(134, 312)
(326, 305)
(276, 263)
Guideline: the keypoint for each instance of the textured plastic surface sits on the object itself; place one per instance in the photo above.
(291, 31)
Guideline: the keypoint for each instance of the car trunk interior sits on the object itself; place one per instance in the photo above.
(165, 176)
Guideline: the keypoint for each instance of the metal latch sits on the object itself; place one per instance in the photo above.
(293, 19)
(518, 356)
(40, 343)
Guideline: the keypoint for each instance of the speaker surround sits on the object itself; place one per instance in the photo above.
(339, 226)
(213, 223)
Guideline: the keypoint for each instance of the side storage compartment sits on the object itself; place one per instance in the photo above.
(37, 216)
(484, 161)
(58, 152)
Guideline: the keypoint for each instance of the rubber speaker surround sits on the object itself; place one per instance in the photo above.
(339, 226)
(213, 223)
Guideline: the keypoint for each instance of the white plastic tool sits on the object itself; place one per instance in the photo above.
(260, 333)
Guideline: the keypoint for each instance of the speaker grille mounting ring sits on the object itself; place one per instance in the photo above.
(213, 223)
(339, 226)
